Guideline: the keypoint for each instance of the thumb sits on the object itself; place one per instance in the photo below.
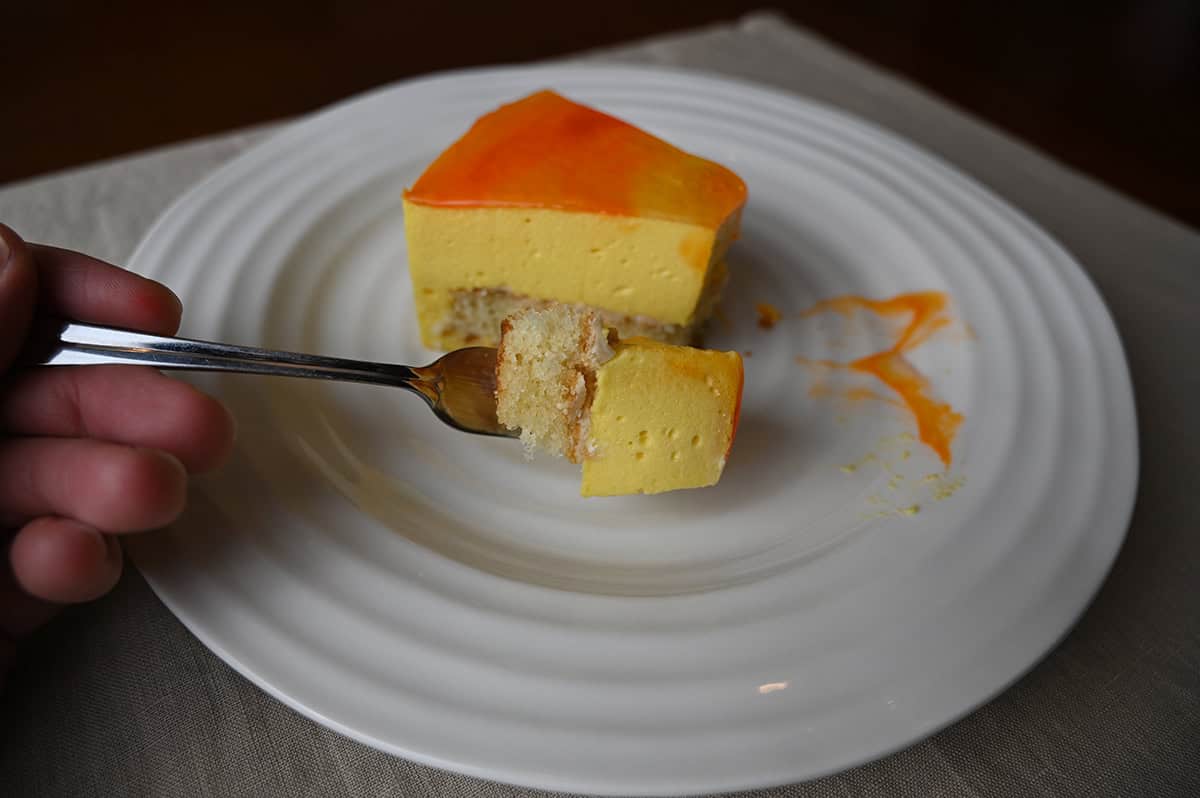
(18, 290)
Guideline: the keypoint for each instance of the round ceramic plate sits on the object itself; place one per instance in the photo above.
(840, 593)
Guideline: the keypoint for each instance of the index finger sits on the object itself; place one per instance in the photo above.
(83, 288)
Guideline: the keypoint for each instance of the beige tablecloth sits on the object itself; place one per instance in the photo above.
(117, 698)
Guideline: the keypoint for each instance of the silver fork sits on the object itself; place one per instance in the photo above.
(460, 387)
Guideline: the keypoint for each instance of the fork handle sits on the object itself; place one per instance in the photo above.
(70, 343)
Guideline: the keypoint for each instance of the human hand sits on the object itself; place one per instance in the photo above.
(86, 453)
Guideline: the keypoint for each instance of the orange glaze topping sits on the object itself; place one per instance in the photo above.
(937, 421)
(547, 152)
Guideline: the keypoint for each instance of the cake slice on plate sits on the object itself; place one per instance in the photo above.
(640, 415)
(545, 200)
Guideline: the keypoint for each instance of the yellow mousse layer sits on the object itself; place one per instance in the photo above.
(642, 416)
(633, 267)
(551, 200)
(662, 418)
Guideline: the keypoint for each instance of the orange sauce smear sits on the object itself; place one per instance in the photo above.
(768, 315)
(937, 421)
(545, 151)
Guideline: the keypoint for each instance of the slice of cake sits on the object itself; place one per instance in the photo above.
(545, 200)
(640, 415)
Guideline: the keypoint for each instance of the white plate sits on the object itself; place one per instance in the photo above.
(431, 594)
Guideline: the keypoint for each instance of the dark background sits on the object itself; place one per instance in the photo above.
(1111, 87)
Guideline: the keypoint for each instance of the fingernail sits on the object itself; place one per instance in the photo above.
(178, 302)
